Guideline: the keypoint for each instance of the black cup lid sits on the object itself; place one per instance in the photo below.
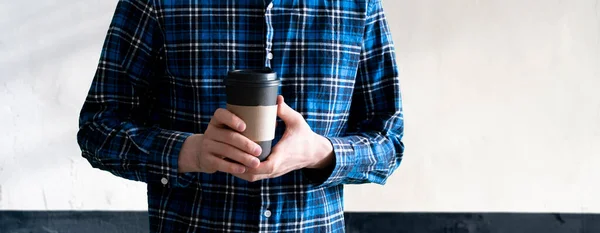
(252, 77)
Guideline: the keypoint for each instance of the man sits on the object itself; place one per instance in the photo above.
(155, 113)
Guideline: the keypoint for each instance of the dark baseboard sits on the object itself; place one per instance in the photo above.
(356, 222)
(473, 222)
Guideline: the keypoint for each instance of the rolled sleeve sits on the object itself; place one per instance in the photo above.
(164, 159)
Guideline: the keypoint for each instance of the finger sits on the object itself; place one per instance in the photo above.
(251, 177)
(271, 164)
(224, 118)
(267, 167)
(227, 151)
(219, 164)
(287, 114)
(236, 140)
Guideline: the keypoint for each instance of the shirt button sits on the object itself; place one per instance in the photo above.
(270, 56)
(270, 6)
(164, 181)
(267, 213)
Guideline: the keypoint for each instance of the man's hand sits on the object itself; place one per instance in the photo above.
(220, 147)
(299, 148)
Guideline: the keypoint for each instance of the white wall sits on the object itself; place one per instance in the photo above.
(502, 104)
(502, 101)
(48, 54)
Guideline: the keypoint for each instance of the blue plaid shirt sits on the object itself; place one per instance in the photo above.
(159, 80)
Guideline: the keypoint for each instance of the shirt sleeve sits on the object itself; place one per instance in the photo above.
(373, 148)
(114, 132)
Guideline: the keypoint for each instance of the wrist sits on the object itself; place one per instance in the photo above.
(323, 153)
(188, 155)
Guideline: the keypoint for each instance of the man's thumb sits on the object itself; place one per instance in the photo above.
(287, 114)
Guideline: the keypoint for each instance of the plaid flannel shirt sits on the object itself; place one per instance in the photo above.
(160, 78)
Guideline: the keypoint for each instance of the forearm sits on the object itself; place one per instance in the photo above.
(188, 155)
(323, 153)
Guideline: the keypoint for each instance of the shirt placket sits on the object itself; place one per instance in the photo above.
(265, 212)
(269, 35)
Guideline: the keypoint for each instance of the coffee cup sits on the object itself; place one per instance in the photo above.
(252, 96)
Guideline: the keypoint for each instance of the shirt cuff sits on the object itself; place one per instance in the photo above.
(344, 162)
(163, 165)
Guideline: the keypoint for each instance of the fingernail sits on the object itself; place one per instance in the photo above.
(241, 169)
(240, 127)
(255, 163)
(257, 150)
